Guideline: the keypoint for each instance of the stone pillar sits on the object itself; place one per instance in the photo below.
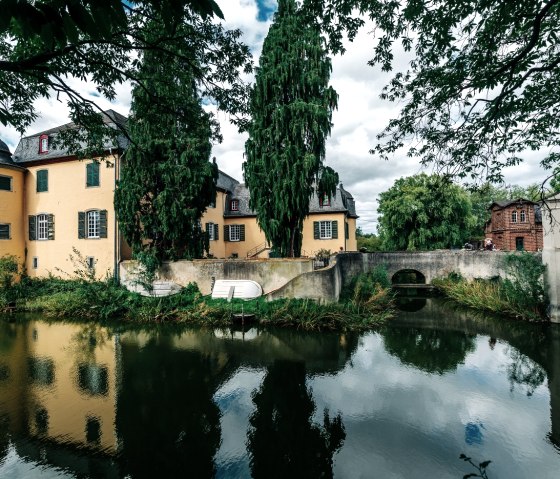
(551, 253)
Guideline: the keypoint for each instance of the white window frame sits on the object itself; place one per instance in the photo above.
(235, 232)
(42, 227)
(514, 216)
(522, 216)
(93, 224)
(211, 232)
(325, 230)
(236, 203)
(44, 146)
(9, 225)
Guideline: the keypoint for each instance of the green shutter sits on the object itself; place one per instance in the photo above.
(241, 232)
(207, 229)
(81, 225)
(32, 227)
(226, 232)
(103, 224)
(216, 232)
(42, 181)
(50, 227)
(316, 233)
(92, 174)
(335, 229)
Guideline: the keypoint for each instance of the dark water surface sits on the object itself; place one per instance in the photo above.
(81, 400)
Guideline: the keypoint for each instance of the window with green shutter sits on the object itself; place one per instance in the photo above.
(5, 183)
(92, 174)
(4, 231)
(42, 181)
(32, 221)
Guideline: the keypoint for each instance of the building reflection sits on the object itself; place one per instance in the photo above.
(134, 403)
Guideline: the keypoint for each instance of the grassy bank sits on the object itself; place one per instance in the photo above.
(522, 295)
(101, 300)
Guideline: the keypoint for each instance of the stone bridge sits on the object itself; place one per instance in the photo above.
(325, 285)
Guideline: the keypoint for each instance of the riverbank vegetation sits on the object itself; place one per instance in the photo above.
(521, 294)
(367, 304)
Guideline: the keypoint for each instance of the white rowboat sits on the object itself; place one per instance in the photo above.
(236, 288)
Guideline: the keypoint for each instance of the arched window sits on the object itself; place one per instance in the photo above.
(522, 216)
(514, 216)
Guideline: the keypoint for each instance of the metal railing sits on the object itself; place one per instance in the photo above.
(257, 249)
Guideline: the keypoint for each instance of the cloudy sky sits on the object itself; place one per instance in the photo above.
(360, 116)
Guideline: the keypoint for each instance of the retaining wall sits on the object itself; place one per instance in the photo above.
(271, 274)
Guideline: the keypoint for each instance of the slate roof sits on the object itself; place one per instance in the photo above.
(341, 202)
(505, 203)
(28, 148)
(6, 157)
(225, 182)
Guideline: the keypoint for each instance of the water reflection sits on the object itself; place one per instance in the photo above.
(433, 351)
(167, 419)
(283, 441)
(90, 401)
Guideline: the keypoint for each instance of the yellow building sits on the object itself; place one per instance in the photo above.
(234, 232)
(55, 207)
(11, 205)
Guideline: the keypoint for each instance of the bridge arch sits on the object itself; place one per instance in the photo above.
(408, 276)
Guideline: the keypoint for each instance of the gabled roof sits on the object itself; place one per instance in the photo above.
(28, 148)
(505, 203)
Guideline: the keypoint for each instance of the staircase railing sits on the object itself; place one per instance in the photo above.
(257, 249)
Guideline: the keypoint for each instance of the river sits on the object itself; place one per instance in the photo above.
(116, 401)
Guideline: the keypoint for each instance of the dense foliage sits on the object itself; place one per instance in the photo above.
(44, 44)
(367, 242)
(291, 108)
(520, 295)
(424, 212)
(481, 86)
(167, 180)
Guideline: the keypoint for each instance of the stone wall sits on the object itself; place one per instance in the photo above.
(271, 274)
(325, 284)
(295, 278)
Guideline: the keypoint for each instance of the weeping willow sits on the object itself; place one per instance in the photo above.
(291, 108)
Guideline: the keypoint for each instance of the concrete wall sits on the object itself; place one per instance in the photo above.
(285, 278)
(551, 253)
(271, 274)
(325, 284)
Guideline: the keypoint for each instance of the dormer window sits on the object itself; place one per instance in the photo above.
(324, 200)
(234, 205)
(44, 144)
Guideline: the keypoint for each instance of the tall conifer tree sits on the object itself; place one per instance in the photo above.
(167, 180)
(291, 109)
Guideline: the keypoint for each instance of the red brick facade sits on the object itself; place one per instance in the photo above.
(515, 225)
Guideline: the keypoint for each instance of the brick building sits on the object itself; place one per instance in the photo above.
(515, 225)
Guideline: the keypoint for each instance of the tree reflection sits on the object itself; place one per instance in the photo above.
(431, 350)
(282, 439)
(525, 372)
(166, 419)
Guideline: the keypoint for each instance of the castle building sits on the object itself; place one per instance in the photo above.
(55, 207)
